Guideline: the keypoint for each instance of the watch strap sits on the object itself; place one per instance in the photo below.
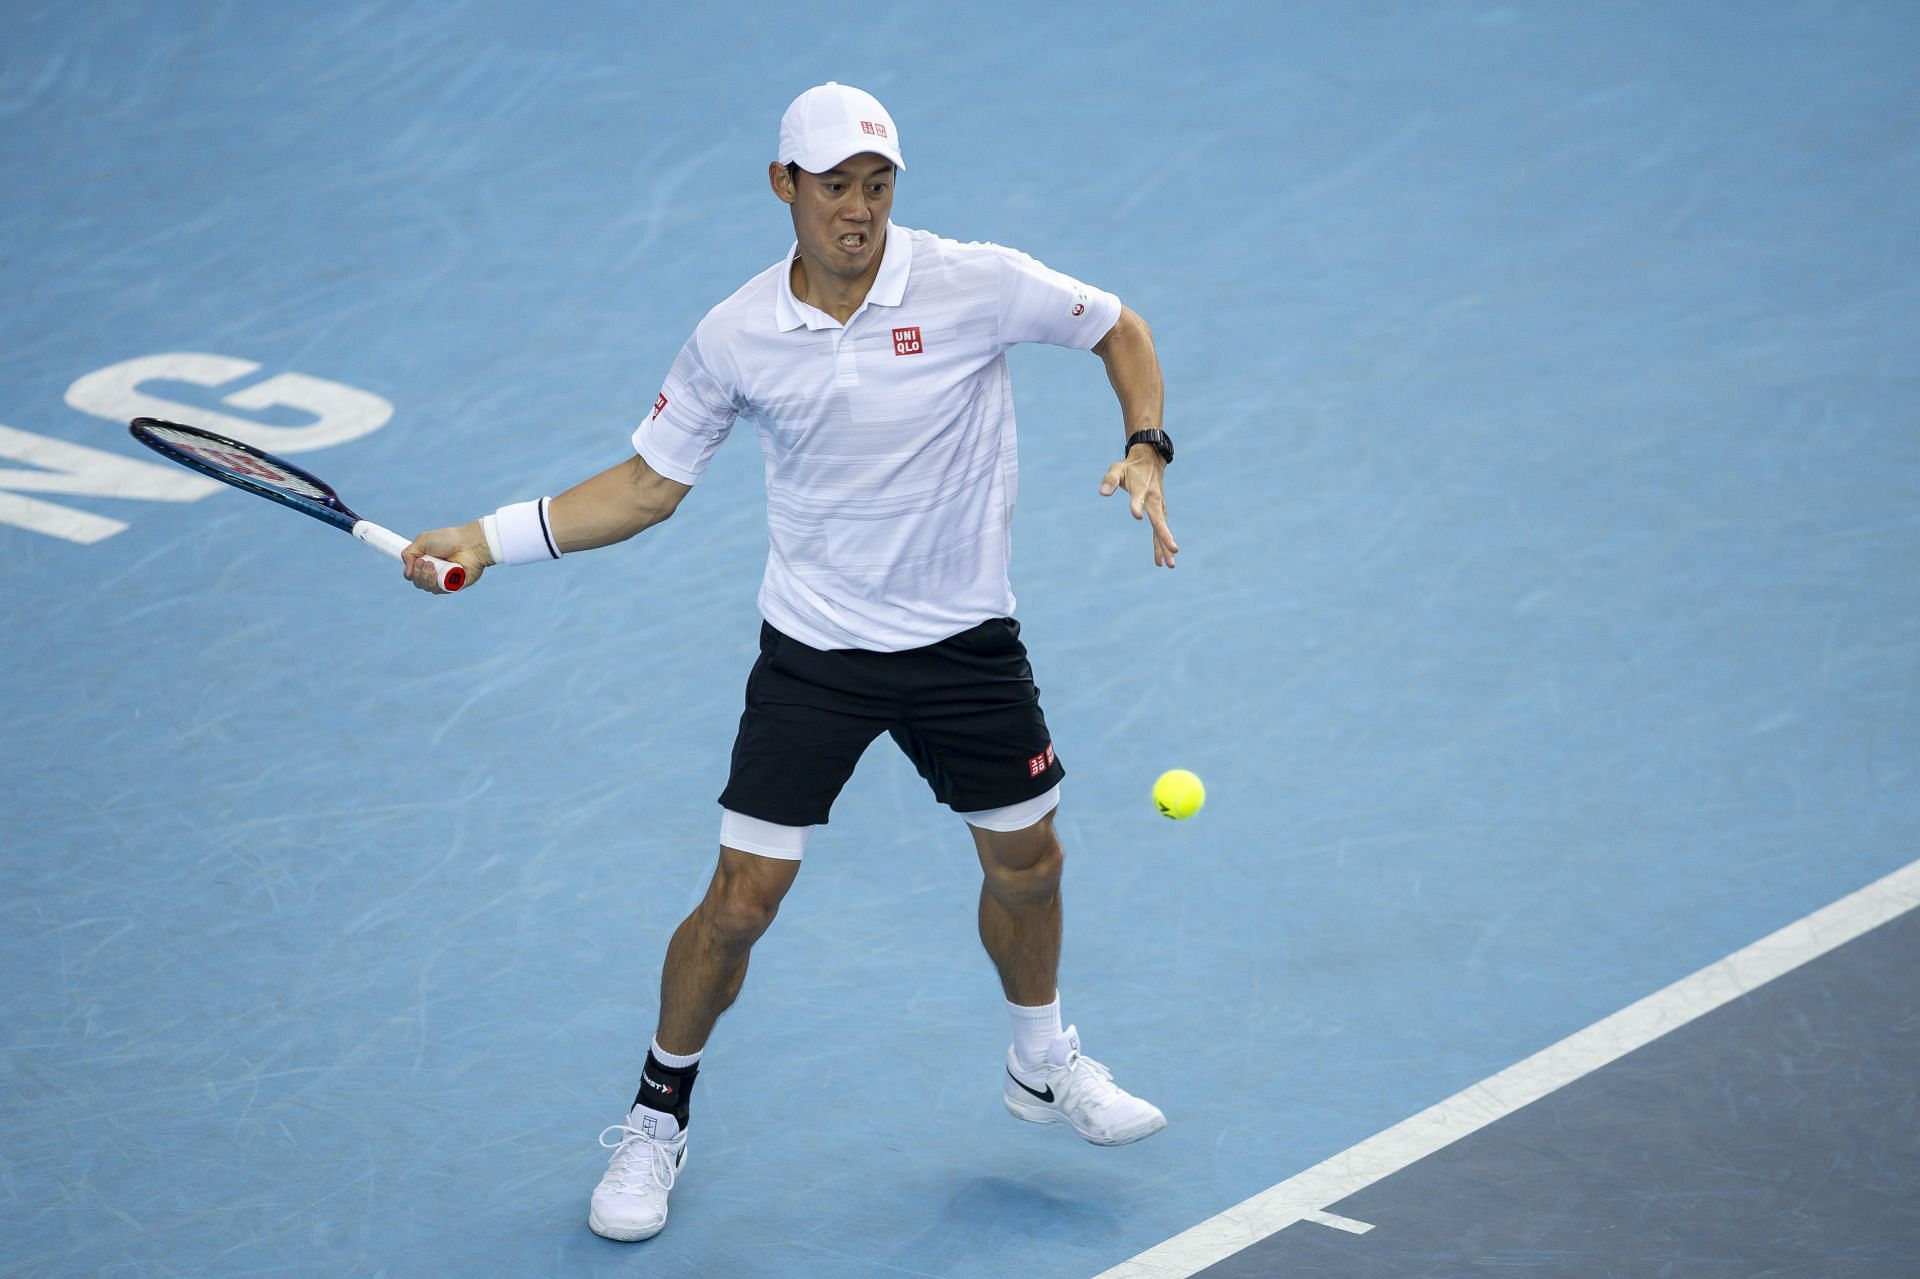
(1161, 441)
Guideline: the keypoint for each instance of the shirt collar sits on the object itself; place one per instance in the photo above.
(889, 285)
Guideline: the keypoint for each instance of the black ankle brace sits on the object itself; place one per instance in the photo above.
(666, 1089)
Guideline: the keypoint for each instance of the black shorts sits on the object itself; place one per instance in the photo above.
(964, 710)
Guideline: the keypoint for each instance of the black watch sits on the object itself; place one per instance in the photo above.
(1161, 441)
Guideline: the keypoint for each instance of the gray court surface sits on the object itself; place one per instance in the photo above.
(1776, 1136)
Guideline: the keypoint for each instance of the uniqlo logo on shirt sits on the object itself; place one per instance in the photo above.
(877, 130)
(1039, 763)
(906, 341)
(659, 404)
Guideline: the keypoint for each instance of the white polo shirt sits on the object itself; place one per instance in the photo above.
(889, 442)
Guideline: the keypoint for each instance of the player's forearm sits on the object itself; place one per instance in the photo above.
(1133, 367)
(614, 505)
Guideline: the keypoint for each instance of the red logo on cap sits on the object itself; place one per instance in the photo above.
(907, 341)
(878, 130)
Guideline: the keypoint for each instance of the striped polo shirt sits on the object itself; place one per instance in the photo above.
(889, 441)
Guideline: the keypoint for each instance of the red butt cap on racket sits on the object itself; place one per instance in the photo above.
(450, 576)
(446, 574)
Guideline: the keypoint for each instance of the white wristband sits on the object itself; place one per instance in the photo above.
(490, 529)
(522, 532)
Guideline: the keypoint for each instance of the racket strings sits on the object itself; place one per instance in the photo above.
(259, 469)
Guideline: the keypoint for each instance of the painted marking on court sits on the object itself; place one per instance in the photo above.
(1305, 1196)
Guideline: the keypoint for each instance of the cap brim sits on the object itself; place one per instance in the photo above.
(821, 161)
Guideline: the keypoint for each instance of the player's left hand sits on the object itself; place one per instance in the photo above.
(1143, 474)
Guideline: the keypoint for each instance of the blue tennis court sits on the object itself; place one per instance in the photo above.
(1545, 630)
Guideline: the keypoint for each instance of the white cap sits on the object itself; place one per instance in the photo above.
(830, 122)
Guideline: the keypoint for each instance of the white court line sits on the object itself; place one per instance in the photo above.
(1305, 1197)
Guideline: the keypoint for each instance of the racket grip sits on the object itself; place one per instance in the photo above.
(451, 577)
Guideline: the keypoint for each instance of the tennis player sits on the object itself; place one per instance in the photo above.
(872, 362)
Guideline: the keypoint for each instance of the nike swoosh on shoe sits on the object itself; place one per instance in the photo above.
(1046, 1096)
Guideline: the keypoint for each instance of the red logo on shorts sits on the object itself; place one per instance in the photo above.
(659, 404)
(1041, 762)
(906, 341)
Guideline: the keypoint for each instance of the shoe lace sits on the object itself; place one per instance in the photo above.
(640, 1162)
(1093, 1082)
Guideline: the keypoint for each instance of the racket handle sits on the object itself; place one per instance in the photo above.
(451, 577)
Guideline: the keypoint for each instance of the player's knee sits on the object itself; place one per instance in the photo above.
(1031, 876)
(739, 910)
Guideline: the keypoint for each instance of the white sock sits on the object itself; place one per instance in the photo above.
(672, 1062)
(1034, 1029)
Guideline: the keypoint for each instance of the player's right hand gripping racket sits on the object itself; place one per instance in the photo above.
(265, 475)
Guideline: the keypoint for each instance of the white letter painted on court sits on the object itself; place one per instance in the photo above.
(79, 470)
(345, 412)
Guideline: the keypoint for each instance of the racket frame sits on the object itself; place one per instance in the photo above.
(327, 507)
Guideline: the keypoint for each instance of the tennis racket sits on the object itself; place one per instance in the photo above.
(264, 475)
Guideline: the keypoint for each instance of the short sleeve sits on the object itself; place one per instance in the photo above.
(1039, 304)
(690, 419)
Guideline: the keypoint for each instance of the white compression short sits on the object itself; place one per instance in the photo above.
(789, 843)
(1015, 816)
(768, 839)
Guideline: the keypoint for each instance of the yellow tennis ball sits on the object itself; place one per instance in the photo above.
(1178, 794)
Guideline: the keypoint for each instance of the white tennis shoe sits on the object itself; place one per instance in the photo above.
(1075, 1090)
(630, 1203)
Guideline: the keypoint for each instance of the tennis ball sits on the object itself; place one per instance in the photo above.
(1178, 794)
